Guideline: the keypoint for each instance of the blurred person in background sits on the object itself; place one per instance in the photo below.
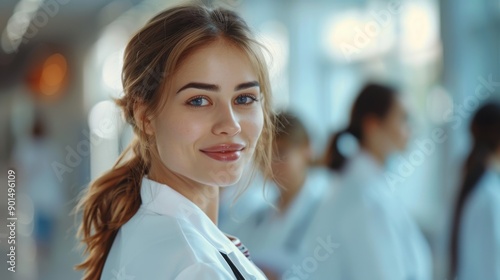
(274, 232)
(33, 156)
(238, 202)
(197, 95)
(372, 235)
(475, 249)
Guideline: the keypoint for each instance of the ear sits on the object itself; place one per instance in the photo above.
(142, 120)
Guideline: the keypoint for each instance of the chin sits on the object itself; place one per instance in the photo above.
(223, 177)
(230, 172)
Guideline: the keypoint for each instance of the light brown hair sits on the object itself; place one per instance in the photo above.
(151, 58)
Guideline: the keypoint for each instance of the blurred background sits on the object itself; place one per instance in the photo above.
(60, 65)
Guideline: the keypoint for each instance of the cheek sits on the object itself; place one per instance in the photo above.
(404, 130)
(299, 163)
(278, 169)
(400, 133)
(294, 164)
(177, 136)
(252, 126)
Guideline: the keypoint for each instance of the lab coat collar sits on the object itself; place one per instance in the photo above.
(164, 200)
(364, 171)
(366, 162)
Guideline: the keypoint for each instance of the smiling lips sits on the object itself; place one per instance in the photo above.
(224, 152)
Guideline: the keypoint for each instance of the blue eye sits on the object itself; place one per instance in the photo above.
(198, 101)
(245, 99)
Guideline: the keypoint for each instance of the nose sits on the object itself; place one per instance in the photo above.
(226, 122)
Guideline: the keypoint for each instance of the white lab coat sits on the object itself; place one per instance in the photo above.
(374, 237)
(274, 238)
(479, 240)
(172, 238)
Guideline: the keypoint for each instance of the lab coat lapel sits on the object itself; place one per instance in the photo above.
(164, 200)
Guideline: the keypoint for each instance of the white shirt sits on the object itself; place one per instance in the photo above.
(479, 256)
(170, 237)
(375, 239)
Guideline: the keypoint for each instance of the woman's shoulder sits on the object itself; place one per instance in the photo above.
(487, 193)
(164, 244)
(491, 184)
(161, 232)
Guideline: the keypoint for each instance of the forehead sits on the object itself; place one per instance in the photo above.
(219, 62)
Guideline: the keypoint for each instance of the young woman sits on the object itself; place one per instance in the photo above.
(370, 233)
(197, 95)
(475, 246)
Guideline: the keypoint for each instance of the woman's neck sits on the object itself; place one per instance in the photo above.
(204, 196)
(374, 150)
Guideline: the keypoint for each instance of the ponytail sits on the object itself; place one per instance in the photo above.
(475, 168)
(342, 146)
(106, 205)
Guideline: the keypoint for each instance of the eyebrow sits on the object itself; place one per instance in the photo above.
(212, 87)
(247, 85)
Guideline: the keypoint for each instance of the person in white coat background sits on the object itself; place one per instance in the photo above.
(367, 230)
(274, 232)
(475, 248)
(197, 95)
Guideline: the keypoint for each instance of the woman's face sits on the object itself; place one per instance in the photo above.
(290, 164)
(395, 126)
(210, 125)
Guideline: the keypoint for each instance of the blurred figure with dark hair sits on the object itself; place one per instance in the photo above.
(44, 195)
(378, 122)
(274, 232)
(475, 248)
(375, 238)
(33, 156)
